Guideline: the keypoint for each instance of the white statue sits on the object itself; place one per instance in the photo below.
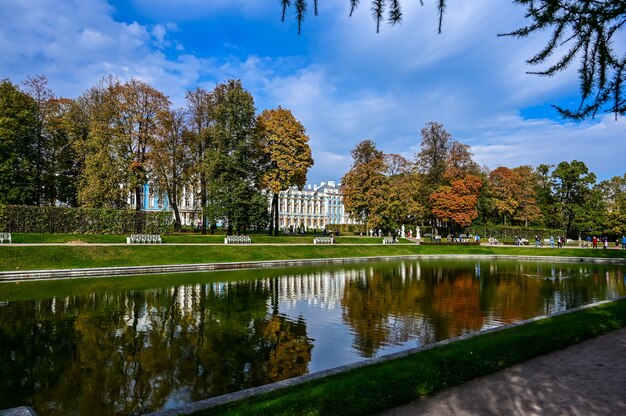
(402, 232)
(417, 233)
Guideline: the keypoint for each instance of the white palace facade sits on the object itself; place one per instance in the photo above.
(315, 206)
(312, 207)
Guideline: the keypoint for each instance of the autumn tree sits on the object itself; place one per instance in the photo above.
(137, 105)
(432, 158)
(526, 196)
(286, 153)
(459, 161)
(398, 201)
(456, 203)
(397, 164)
(363, 183)
(503, 191)
(170, 158)
(200, 106)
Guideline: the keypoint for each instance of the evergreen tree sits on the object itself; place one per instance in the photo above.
(233, 167)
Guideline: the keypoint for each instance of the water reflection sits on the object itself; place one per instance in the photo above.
(132, 345)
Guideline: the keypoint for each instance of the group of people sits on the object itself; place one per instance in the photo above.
(560, 241)
(594, 241)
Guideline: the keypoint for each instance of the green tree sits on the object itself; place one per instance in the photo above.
(104, 181)
(571, 184)
(37, 88)
(286, 153)
(18, 121)
(66, 130)
(233, 167)
(613, 193)
(363, 184)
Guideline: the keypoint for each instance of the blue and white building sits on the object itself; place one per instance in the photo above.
(315, 206)
(188, 206)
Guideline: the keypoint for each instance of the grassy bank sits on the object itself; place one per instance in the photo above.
(16, 257)
(371, 389)
(186, 238)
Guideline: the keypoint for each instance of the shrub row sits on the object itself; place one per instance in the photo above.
(509, 232)
(65, 220)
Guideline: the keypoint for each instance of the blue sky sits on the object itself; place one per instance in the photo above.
(341, 79)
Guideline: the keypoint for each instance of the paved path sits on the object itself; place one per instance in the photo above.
(586, 379)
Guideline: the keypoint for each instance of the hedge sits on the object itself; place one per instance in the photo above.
(502, 232)
(65, 220)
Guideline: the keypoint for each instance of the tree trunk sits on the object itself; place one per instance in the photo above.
(177, 223)
(275, 208)
(271, 230)
(203, 200)
(138, 206)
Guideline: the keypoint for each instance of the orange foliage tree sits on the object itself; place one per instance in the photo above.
(457, 202)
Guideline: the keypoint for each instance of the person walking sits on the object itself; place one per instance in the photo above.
(551, 241)
(623, 243)
(594, 242)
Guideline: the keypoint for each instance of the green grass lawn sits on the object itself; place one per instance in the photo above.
(371, 389)
(16, 257)
(186, 238)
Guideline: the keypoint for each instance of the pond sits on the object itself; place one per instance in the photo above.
(130, 345)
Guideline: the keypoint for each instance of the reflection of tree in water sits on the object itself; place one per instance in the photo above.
(391, 307)
(131, 352)
(382, 308)
(394, 305)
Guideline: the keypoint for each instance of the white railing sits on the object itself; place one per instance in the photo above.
(390, 240)
(323, 240)
(144, 239)
(237, 239)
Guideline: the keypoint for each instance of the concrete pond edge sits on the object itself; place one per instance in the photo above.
(29, 275)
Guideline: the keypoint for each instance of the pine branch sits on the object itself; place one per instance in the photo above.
(353, 6)
(378, 10)
(285, 5)
(441, 8)
(300, 13)
(395, 13)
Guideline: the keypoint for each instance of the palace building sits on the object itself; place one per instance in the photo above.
(312, 207)
(315, 206)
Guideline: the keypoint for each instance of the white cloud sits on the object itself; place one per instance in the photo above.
(513, 142)
(345, 82)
